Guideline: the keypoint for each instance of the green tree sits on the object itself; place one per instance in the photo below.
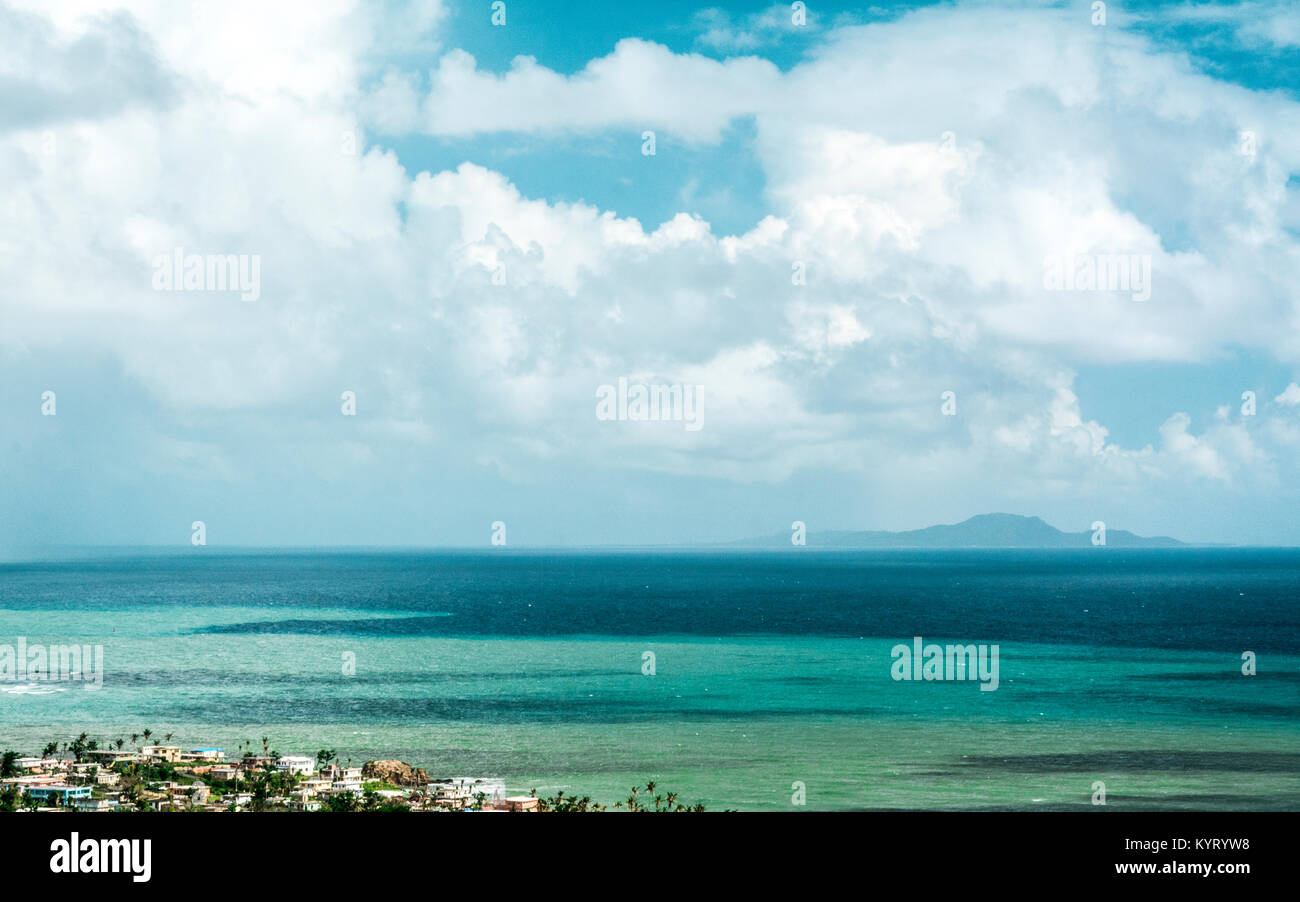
(663, 802)
(561, 802)
(342, 801)
(78, 747)
(8, 764)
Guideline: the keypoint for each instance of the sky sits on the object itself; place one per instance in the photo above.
(455, 234)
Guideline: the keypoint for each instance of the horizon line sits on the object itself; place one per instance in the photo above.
(732, 545)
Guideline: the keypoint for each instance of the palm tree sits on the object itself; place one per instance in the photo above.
(147, 733)
(662, 803)
(118, 742)
(135, 737)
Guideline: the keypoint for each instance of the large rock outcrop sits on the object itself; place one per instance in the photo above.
(398, 773)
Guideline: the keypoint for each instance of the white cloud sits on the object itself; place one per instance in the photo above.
(1256, 24)
(923, 256)
(639, 85)
(720, 30)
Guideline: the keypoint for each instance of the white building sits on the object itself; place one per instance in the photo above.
(302, 801)
(95, 804)
(296, 764)
(169, 753)
(204, 755)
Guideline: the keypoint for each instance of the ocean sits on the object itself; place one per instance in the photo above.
(742, 680)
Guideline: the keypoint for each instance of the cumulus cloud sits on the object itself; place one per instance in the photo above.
(48, 76)
(1269, 23)
(918, 173)
(639, 84)
(720, 30)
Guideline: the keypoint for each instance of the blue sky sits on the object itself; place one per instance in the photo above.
(458, 223)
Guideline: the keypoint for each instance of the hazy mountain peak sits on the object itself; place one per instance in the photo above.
(993, 530)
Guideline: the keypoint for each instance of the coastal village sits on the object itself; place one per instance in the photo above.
(84, 777)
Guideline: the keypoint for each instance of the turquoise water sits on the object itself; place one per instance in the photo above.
(528, 668)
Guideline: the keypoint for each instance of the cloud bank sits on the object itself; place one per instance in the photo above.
(919, 175)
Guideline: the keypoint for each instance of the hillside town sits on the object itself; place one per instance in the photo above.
(81, 776)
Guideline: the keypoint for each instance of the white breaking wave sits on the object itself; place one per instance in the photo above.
(32, 689)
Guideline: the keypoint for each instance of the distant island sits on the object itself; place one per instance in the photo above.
(981, 531)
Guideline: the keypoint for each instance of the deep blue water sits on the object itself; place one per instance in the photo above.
(1209, 599)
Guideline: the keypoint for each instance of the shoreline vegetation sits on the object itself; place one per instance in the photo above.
(84, 775)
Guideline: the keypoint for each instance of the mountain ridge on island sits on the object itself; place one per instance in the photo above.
(979, 531)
